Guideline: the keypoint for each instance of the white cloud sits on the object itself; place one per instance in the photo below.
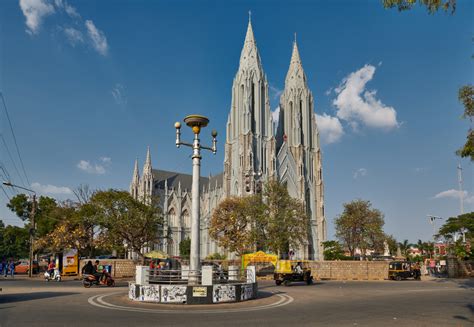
(106, 160)
(86, 166)
(455, 194)
(35, 11)
(330, 128)
(50, 189)
(355, 103)
(97, 37)
(74, 36)
(361, 172)
(70, 10)
(118, 92)
(328, 91)
(452, 193)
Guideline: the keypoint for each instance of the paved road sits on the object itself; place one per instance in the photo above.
(26, 302)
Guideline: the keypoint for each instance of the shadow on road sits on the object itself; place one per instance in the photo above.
(263, 295)
(22, 297)
(462, 283)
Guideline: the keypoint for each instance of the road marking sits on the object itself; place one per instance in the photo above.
(98, 301)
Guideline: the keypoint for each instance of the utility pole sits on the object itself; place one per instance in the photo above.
(461, 193)
(433, 222)
(32, 235)
(32, 222)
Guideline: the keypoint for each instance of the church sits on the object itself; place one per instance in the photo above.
(255, 151)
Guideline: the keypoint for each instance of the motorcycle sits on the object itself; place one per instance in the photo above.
(56, 276)
(89, 280)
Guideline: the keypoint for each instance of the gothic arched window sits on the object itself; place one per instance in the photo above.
(173, 221)
(186, 219)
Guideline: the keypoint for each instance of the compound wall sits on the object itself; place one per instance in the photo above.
(120, 267)
(350, 270)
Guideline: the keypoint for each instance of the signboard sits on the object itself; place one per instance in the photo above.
(199, 291)
(258, 257)
(70, 262)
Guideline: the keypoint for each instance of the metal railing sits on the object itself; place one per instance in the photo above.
(219, 276)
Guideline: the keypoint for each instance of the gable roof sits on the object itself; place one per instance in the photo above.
(186, 180)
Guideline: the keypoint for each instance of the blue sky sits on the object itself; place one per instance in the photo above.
(89, 84)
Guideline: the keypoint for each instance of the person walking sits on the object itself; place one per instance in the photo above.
(12, 268)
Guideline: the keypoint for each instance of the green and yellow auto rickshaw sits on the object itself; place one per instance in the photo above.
(398, 270)
(288, 271)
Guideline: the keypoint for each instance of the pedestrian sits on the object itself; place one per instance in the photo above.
(12, 268)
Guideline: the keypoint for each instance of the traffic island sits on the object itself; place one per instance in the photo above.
(209, 291)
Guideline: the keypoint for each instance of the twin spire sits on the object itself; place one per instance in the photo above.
(250, 57)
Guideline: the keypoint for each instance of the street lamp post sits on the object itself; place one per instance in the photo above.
(33, 227)
(433, 222)
(196, 122)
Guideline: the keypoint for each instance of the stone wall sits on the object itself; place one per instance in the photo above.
(459, 268)
(120, 267)
(350, 270)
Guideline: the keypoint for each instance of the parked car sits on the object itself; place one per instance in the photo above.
(23, 266)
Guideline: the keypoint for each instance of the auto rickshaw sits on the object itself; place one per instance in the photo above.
(398, 270)
(288, 271)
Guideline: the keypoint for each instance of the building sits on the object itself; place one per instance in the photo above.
(255, 151)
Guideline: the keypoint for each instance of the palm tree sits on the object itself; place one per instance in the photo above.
(404, 247)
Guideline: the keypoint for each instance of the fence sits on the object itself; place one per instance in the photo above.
(219, 275)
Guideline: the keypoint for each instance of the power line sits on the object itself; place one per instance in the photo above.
(14, 137)
(5, 172)
(6, 194)
(13, 161)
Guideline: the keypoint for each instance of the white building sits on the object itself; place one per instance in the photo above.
(254, 153)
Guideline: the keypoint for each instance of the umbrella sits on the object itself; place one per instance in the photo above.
(156, 254)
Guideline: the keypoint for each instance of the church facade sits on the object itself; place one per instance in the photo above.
(255, 151)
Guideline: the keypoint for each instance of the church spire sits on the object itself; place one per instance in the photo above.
(136, 174)
(148, 157)
(295, 75)
(250, 56)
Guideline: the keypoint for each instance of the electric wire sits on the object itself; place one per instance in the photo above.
(13, 161)
(14, 137)
(5, 192)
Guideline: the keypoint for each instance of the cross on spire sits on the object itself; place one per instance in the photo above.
(250, 15)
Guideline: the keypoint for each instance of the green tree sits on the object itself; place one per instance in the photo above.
(284, 223)
(405, 247)
(21, 205)
(124, 220)
(333, 250)
(431, 5)
(232, 221)
(14, 241)
(466, 97)
(271, 221)
(458, 225)
(185, 248)
(360, 227)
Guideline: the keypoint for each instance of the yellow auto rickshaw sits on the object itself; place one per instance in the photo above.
(287, 271)
(398, 270)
